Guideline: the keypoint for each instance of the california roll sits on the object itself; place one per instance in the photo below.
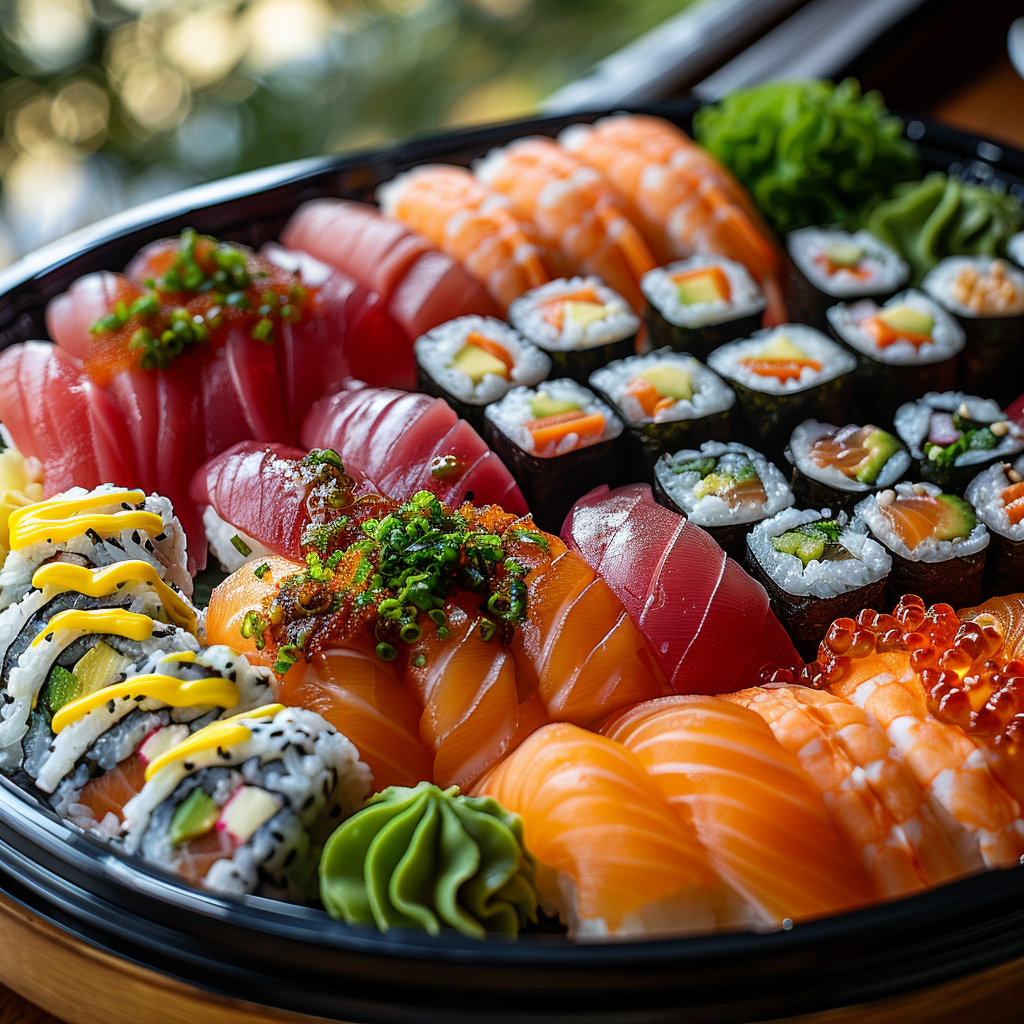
(997, 496)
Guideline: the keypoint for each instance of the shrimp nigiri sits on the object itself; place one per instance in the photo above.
(455, 212)
(613, 858)
(573, 210)
(869, 793)
(679, 196)
(761, 822)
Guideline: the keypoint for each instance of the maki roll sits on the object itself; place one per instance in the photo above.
(472, 361)
(724, 488)
(952, 436)
(667, 400)
(837, 466)
(830, 265)
(997, 496)
(987, 296)
(697, 304)
(816, 567)
(784, 376)
(906, 347)
(580, 323)
(559, 441)
(937, 544)
(245, 804)
(91, 739)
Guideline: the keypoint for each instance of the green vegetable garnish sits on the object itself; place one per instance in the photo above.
(703, 465)
(812, 541)
(972, 439)
(261, 570)
(240, 546)
(810, 152)
(928, 220)
(428, 858)
(193, 817)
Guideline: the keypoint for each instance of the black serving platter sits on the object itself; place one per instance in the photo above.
(297, 959)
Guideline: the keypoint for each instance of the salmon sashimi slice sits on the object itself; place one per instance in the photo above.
(470, 223)
(613, 857)
(679, 196)
(762, 824)
(578, 647)
(916, 518)
(709, 624)
(982, 819)
(572, 209)
(364, 699)
(469, 692)
(108, 793)
(871, 797)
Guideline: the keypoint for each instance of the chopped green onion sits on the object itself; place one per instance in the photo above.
(261, 570)
(386, 652)
(240, 546)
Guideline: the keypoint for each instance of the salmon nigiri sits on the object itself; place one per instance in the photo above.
(762, 823)
(613, 858)
(870, 794)
(455, 212)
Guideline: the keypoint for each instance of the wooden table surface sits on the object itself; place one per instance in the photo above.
(992, 105)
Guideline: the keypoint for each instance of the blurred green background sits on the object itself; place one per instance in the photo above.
(106, 103)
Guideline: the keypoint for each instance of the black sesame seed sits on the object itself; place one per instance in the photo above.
(159, 537)
(335, 811)
(308, 802)
(278, 836)
(291, 856)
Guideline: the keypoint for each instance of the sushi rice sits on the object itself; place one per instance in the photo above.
(527, 315)
(228, 544)
(514, 411)
(711, 510)
(930, 549)
(662, 292)
(828, 578)
(948, 338)
(314, 779)
(985, 494)
(710, 393)
(882, 270)
(835, 361)
(435, 350)
(943, 284)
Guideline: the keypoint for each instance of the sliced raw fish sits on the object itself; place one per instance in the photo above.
(708, 623)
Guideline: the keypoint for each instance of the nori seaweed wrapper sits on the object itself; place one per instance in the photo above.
(472, 414)
(730, 537)
(994, 357)
(770, 419)
(812, 493)
(579, 363)
(1004, 567)
(955, 581)
(647, 442)
(952, 479)
(697, 341)
(552, 485)
(809, 305)
(807, 618)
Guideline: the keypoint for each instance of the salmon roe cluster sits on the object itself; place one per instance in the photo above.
(966, 682)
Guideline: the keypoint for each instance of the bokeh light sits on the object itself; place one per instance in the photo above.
(105, 103)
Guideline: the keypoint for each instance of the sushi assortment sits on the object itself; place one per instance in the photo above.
(581, 634)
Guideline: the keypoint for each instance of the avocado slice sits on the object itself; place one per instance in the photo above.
(959, 521)
(701, 286)
(807, 549)
(907, 320)
(584, 313)
(670, 381)
(543, 405)
(781, 350)
(475, 363)
(703, 465)
(194, 817)
(100, 666)
(844, 254)
(882, 446)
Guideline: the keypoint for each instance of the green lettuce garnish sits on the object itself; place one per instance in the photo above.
(811, 153)
(429, 858)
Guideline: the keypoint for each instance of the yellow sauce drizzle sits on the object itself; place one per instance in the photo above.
(185, 656)
(100, 620)
(177, 693)
(226, 733)
(108, 580)
(63, 518)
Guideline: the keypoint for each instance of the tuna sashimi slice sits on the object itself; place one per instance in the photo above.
(709, 624)
(388, 438)
(70, 316)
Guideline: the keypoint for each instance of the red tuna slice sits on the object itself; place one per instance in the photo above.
(58, 415)
(224, 420)
(708, 623)
(390, 439)
(348, 333)
(253, 487)
(422, 286)
(70, 317)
